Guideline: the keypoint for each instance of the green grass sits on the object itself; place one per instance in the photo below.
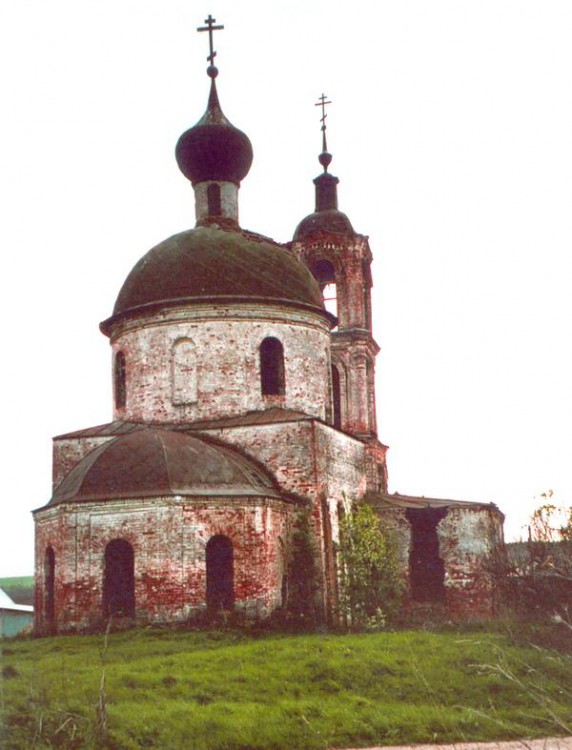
(233, 691)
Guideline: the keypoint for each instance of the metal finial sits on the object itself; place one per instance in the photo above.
(212, 71)
(325, 158)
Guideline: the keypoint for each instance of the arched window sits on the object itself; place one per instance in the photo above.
(49, 588)
(220, 573)
(213, 199)
(119, 381)
(272, 380)
(183, 372)
(119, 579)
(336, 398)
(325, 274)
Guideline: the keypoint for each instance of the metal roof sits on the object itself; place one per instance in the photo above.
(158, 462)
(396, 500)
(211, 263)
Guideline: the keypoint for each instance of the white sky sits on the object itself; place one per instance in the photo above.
(451, 129)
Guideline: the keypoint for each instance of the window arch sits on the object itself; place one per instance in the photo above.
(220, 573)
(119, 381)
(49, 588)
(183, 372)
(272, 378)
(119, 579)
(325, 274)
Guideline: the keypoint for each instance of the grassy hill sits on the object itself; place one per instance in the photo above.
(234, 691)
(20, 590)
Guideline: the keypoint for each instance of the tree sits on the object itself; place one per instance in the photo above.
(549, 522)
(370, 583)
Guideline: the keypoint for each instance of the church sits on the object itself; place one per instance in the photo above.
(244, 393)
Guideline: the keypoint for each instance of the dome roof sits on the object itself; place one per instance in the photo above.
(214, 149)
(329, 220)
(153, 462)
(215, 263)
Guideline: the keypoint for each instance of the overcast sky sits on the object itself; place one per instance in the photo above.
(451, 131)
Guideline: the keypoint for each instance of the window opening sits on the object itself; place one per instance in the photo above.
(325, 274)
(213, 199)
(426, 568)
(120, 383)
(220, 574)
(119, 579)
(272, 378)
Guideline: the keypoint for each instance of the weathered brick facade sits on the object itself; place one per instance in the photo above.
(240, 397)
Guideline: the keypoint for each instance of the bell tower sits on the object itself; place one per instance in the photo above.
(340, 260)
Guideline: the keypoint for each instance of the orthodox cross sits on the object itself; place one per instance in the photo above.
(210, 27)
(323, 100)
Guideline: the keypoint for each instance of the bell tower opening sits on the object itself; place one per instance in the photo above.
(325, 274)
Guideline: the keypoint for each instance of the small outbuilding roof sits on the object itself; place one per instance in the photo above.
(7, 603)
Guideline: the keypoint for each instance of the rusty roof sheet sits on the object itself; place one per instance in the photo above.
(388, 502)
(120, 427)
(157, 462)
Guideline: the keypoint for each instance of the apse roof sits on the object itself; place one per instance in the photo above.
(153, 462)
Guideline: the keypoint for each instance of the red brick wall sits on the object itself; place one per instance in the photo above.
(169, 539)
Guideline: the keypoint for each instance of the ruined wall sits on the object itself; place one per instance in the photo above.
(468, 540)
(169, 538)
(221, 364)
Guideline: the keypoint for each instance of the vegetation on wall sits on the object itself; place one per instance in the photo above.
(299, 598)
(371, 585)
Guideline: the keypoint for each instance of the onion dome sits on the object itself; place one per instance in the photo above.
(214, 150)
(157, 463)
(214, 264)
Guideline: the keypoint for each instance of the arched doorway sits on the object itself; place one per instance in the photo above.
(220, 573)
(49, 588)
(426, 567)
(119, 579)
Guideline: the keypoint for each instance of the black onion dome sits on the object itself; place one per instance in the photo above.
(330, 220)
(157, 463)
(215, 264)
(214, 149)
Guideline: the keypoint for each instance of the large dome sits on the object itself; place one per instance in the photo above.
(152, 462)
(208, 263)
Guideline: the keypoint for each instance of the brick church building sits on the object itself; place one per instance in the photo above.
(244, 391)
